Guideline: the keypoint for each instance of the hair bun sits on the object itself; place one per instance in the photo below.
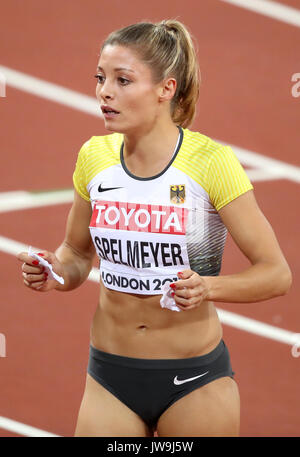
(168, 27)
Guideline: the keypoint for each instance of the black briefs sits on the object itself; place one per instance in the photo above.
(150, 386)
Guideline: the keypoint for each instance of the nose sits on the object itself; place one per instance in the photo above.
(105, 90)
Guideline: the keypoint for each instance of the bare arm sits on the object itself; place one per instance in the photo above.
(268, 276)
(77, 251)
(73, 259)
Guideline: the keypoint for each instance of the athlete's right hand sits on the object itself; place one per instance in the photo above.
(34, 275)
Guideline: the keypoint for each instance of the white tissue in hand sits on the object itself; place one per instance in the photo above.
(167, 301)
(47, 265)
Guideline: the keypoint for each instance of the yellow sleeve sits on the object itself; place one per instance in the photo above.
(227, 178)
(79, 175)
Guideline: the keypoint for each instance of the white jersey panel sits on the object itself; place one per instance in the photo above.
(139, 227)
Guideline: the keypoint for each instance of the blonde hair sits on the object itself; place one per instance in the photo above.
(167, 47)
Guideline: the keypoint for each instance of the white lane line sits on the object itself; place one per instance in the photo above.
(13, 247)
(20, 200)
(50, 91)
(265, 167)
(23, 429)
(268, 167)
(258, 328)
(271, 9)
(257, 174)
(262, 169)
(89, 105)
(237, 321)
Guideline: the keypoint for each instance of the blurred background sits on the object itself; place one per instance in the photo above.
(249, 99)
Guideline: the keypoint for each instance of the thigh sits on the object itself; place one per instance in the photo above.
(210, 410)
(102, 414)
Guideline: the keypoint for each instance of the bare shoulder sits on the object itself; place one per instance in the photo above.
(241, 210)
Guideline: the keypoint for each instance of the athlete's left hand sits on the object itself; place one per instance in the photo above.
(190, 290)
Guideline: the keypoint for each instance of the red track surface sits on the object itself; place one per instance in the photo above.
(247, 61)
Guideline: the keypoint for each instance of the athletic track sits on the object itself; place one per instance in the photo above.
(48, 56)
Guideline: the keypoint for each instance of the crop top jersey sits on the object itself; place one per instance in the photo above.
(145, 230)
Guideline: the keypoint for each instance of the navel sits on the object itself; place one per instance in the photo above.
(142, 327)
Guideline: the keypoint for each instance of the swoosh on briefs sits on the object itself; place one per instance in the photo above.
(107, 188)
(178, 382)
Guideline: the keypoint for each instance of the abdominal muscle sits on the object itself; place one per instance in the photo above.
(134, 325)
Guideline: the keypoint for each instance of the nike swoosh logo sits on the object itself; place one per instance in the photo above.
(101, 189)
(182, 381)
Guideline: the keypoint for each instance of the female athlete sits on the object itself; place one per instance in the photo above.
(155, 201)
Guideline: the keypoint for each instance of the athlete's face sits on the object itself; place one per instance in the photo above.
(127, 94)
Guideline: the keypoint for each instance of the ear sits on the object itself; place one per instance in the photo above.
(167, 89)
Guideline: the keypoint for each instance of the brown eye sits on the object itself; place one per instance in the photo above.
(100, 78)
(124, 81)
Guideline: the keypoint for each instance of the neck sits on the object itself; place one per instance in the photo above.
(152, 145)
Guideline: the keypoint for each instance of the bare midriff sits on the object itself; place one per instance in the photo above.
(133, 325)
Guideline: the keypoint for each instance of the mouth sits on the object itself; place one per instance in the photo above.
(109, 112)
